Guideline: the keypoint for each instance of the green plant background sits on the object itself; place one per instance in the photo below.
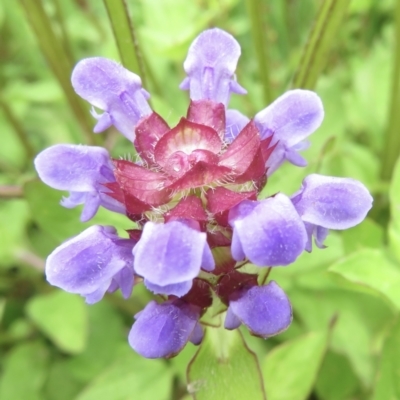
(344, 342)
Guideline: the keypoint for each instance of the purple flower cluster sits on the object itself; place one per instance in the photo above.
(192, 200)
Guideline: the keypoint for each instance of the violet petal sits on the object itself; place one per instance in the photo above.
(197, 335)
(81, 170)
(290, 119)
(231, 320)
(332, 203)
(210, 66)
(268, 232)
(170, 253)
(71, 167)
(265, 310)
(88, 263)
(110, 87)
(174, 289)
(124, 280)
(235, 122)
(162, 330)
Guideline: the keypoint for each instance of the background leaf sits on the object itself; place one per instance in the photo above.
(130, 376)
(291, 369)
(371, 269)
(25, 372)
(62, 317)
(388, 384)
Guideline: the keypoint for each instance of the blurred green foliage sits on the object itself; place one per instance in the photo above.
(344, 340)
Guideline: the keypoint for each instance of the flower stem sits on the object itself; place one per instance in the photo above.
(391, 149)
(59, 14)
(54, 53)
(125, 37)
(258, 32)
(11, 191)
(18, 129)
(320, 39)
(263, 276)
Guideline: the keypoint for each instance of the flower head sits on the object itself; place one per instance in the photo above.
(191, 200)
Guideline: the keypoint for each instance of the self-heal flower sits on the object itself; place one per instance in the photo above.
(210, 66)
(191, 199)
(326, 202)
(267, 232)
(108, 86)
(169, 256)
(83, 171)
(162, 330)
(265, 310)
(289, 120)
(91, 263)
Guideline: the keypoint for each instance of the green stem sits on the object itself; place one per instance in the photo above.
(391, 149)
(18, 129)
(258, 32)
(125, 37)
(85, 8)
(58, 61)
(64, 33)
(321, 37)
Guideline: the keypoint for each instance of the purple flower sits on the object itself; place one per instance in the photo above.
(162, 330)
(265, 310)
(92, 263)
(169, 256)
(325, 202)
(267, 232)
(289, 120)
(210, 66)
(108, 86)
(81, 170)
(191, 198)
(235, 122)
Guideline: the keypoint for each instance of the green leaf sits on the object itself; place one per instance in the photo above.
(394, 226)
(322, 36)
(19, 131)
(388, 384)
(62, 223)
(360, 114)
(2, 307)
(130, 376)
(180, 363)
(223, 357)
(370, 270)
(392, 138)
(62, 317)
(60, 377)
(106, 334)
(12, 152)
(14, 217)
(24, 373)
(291, 368)
(360, 320)
(336, 379)
(367, 234)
